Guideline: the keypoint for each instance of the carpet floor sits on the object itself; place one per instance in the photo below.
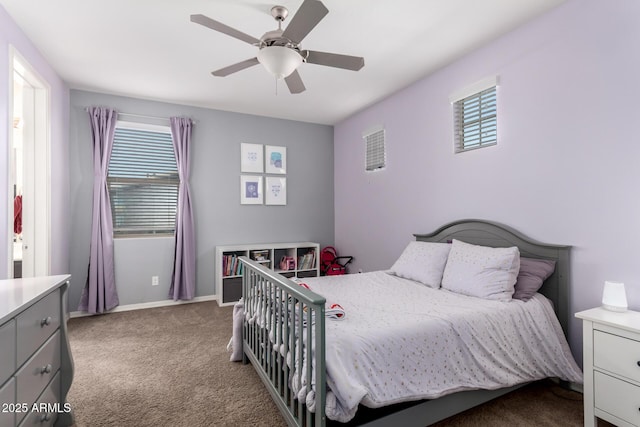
(169, 366)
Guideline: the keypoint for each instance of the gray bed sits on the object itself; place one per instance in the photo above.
(285, 308)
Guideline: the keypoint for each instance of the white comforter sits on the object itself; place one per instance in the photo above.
(404, 341)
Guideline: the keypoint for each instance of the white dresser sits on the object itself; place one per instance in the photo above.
(611, 359)
(36, 367)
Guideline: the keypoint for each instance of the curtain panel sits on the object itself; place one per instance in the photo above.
(183, 281)
(100, 292)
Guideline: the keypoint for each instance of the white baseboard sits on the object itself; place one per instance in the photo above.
(143, 305)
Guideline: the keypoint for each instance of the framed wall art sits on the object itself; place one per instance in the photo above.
(251, 190)
(276, 190)
(251, 158)
(275, 159)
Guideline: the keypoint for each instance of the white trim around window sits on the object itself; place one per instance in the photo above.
(472, 89)
(475, 115)
(376, 157)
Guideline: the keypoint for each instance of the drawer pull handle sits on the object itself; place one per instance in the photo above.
(45, 322)
(639, 363)
(46, 369)
(45, 418)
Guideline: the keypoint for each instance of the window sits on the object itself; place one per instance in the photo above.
(143, 180)
(376, 156)
(475, 117)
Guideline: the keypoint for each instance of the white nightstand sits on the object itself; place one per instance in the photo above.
(611, 365)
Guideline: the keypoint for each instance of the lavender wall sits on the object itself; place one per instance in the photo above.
(565, 170)
(11, 35)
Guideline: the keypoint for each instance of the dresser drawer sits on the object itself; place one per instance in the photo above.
(617, 397)
(34, 376)
(7, 350)
(36, 324)
(617, 354)
(48, 402)
(7, 399)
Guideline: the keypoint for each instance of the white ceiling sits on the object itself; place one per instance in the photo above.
(149, 48)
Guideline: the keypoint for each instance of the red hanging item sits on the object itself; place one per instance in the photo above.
(17, 215)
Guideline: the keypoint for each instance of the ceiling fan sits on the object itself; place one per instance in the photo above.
(279, 50)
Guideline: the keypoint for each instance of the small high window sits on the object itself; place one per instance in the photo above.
(376, 156)
(475, 116)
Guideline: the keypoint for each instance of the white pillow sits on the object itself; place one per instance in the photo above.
(423, 262)
(481, 271)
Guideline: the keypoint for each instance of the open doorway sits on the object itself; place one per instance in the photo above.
(29, 172)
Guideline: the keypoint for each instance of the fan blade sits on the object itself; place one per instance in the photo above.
(222, 72)
(294, 82)
(347, 62)
(306, 18)
(225, 29)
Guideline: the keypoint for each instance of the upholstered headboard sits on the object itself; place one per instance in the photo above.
(485, 233)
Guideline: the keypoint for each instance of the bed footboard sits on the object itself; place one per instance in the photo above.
(283, 337)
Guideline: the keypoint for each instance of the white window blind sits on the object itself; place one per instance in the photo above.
(143, 182)
(376, 155)
(475, 120)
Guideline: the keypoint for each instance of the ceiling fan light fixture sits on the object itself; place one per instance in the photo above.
(279, 50)
(279, 60)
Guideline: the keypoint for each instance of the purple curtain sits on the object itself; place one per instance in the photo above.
(183, 282)
(100, 293)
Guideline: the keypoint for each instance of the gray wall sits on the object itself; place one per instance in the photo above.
(215, 181)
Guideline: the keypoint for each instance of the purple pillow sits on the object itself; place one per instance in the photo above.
(533, 272)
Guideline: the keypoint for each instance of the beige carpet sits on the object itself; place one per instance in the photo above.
(169, 367)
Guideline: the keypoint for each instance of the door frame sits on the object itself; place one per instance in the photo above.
(40, 240)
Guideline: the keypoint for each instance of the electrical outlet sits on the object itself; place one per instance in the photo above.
(154, 281)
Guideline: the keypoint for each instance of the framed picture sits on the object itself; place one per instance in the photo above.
(275, 159)
(251, 158)
(276, 191)
(251, 189)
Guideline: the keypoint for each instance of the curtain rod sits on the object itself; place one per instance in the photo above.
(148, 117)
(142, 116)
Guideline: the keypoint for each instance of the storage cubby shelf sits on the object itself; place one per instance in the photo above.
(303, 262)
